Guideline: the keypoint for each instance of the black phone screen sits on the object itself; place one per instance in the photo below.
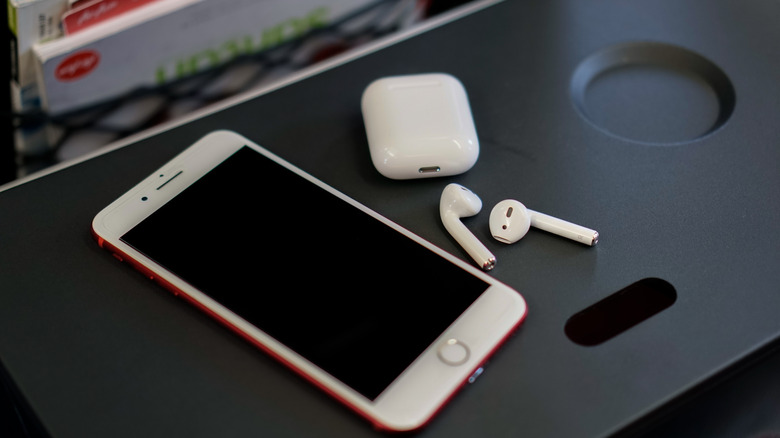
(350, 294)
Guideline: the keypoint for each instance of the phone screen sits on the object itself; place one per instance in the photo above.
(350, 294)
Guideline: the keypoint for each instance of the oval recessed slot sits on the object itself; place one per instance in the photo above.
(620, 311)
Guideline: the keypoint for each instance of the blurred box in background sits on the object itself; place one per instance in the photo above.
(30, 22)
(168, 40)
(166, 58)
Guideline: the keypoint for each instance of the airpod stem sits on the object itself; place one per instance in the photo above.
(563, 228)
(473, 247)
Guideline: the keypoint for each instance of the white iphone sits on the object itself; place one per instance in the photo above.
(379, 318)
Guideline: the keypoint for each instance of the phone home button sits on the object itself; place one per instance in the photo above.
(453, 352)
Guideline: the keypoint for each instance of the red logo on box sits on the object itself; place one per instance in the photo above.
(77, 65)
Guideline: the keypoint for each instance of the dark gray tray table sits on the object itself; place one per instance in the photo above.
(98, 350)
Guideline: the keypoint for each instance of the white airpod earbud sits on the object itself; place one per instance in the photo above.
(510, 220)
(457, 202)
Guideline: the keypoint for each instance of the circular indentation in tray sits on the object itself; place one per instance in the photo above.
(652, 93)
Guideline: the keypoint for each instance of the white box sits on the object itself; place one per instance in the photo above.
(30, 22)
(166, 40)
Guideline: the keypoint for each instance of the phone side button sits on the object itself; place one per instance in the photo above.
(453, 352)
(477, 373)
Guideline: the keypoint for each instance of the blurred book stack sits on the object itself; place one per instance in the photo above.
(87, 72)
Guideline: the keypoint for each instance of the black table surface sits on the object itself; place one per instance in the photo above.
(98, 350)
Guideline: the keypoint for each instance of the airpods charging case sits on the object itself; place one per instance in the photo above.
(419, 126)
